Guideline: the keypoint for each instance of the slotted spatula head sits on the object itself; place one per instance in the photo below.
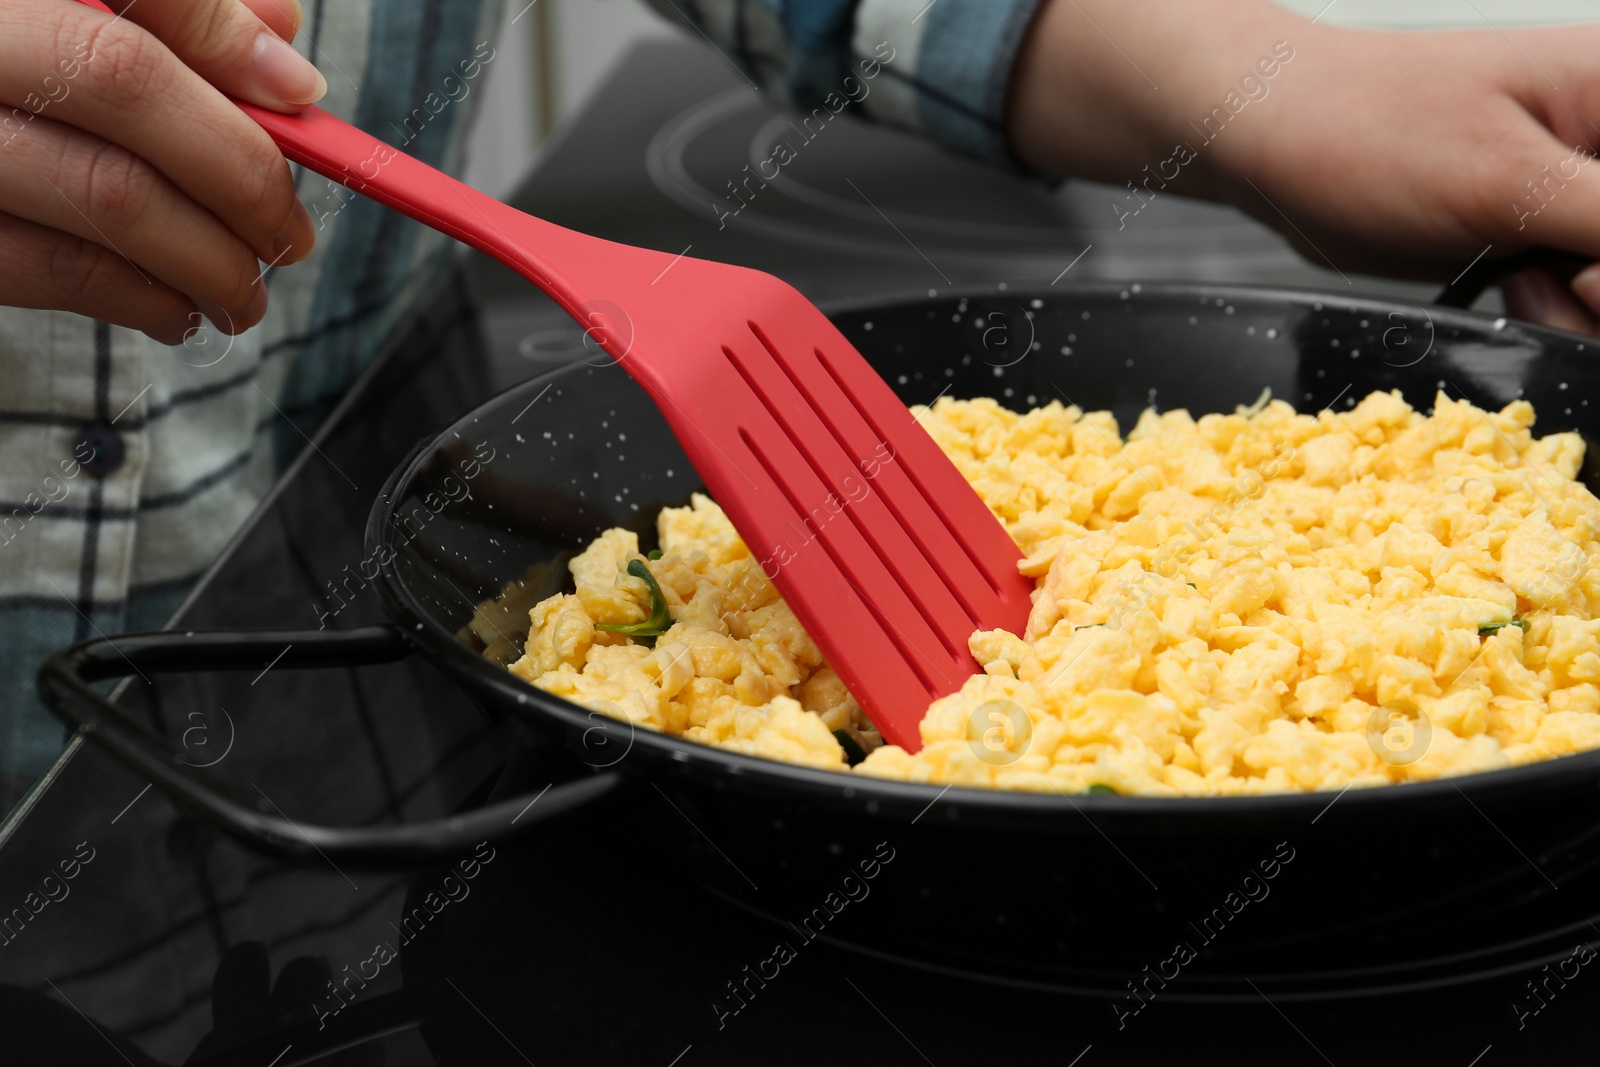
(884, 552)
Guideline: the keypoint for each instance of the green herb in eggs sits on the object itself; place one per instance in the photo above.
(853, 753)
(658, 622)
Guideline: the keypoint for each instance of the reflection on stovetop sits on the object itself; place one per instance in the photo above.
(585, 944)
(135, 938)
(852, 192)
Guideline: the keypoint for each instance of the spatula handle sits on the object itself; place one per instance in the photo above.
(340, 152)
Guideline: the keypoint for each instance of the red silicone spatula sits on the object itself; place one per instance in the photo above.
(882, 549)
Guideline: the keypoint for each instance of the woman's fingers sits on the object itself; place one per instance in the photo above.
(1537, 295)
(283, 17)
(75, 182)
(231, 47)
(128, 88)
(45, 268)
(1586, 287)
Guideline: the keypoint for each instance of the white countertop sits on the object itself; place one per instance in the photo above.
(1421, 14)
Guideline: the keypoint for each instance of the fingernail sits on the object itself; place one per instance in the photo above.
(1587, 285)
(1525, 298)
(299, 221)
(285, 74)
(258, 306)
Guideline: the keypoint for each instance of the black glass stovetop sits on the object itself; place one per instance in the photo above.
(583, 943)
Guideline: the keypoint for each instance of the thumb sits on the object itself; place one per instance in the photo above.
(241, 48)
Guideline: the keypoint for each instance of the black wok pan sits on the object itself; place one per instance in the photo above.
(1386, 888)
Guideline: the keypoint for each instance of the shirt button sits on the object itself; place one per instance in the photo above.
(103, 447)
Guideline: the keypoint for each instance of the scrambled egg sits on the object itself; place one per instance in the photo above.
(1247, 603)
(735, 668)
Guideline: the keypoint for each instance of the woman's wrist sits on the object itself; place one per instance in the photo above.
(1143, 92)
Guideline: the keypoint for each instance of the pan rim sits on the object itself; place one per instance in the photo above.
(890, 797)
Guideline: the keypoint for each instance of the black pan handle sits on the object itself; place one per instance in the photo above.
(1465, 290)
(64, 683)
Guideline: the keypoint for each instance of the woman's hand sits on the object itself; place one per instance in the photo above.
(132, 190)
(1391, 153)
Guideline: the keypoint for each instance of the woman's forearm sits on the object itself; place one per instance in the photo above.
(1105, 89)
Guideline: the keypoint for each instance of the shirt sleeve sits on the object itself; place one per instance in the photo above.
(941, 68)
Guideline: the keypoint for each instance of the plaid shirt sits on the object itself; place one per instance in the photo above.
(947, 78)
(125, 466)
